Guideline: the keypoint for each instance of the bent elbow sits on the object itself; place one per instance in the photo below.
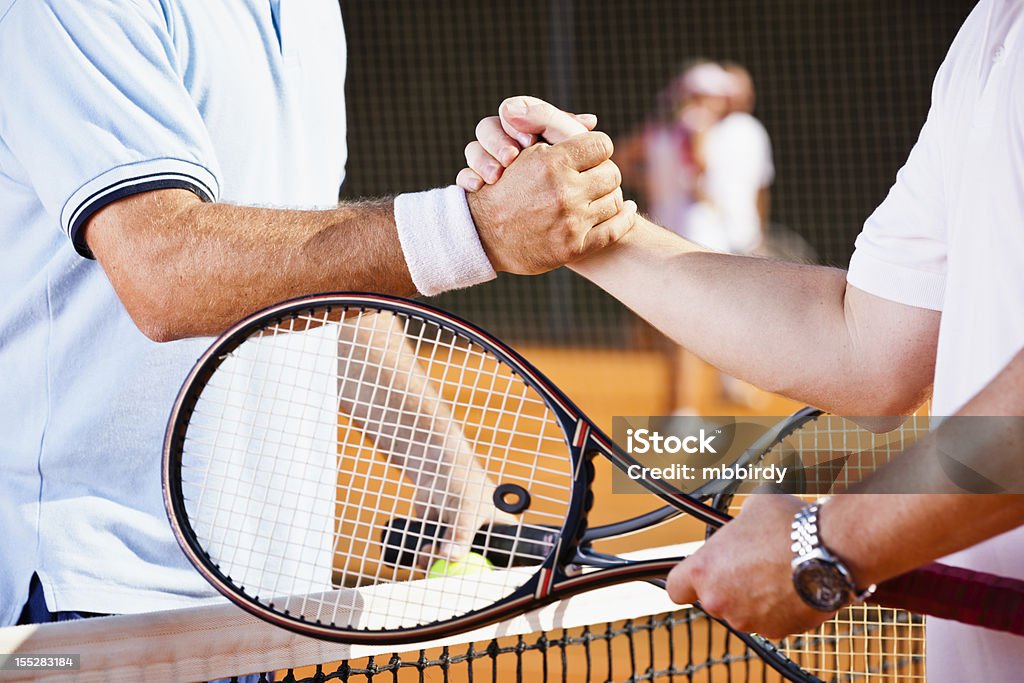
(880, 424)
(136, 241)
(887, 407)
(155, 317)
(159, 333)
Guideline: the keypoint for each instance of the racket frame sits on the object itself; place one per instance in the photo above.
(557, 577)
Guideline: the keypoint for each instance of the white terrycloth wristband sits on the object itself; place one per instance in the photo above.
(439, 240)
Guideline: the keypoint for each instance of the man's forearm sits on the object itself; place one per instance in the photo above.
(883, 535)
(880, 534)
(788, 328)
(207, 265)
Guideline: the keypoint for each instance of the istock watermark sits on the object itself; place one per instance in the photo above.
(640, 441)
(811, 453)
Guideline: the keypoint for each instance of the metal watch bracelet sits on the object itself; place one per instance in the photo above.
(807, 540)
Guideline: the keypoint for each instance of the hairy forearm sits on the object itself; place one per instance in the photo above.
(788, 328)
(200, 267)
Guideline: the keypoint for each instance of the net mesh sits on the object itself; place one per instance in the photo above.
(633, 650)
(683, 645)
(581, 639)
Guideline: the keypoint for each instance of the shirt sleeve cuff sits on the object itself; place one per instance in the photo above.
(901, 284)
(440, 242)
(123, 181)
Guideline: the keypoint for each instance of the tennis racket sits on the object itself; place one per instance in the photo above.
(308, 431)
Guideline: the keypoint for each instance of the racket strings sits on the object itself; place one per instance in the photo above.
(319, 431)
(260, 428)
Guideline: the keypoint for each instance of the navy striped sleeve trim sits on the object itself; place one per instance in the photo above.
(124, 181)
(125, 189)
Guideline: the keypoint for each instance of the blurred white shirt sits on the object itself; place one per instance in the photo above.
(738, 164)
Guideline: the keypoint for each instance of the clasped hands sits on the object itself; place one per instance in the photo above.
(542, 188)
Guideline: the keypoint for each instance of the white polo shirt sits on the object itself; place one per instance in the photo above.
(239, 101)
(950, 237)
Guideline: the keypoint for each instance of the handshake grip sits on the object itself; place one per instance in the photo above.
(504, 545)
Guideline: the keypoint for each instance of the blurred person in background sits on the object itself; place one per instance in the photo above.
(738, 170)
(703, 163)
(663, 162)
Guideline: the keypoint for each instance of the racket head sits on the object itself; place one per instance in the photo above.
(281, 471)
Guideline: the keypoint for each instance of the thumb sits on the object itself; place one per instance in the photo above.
(523, 116)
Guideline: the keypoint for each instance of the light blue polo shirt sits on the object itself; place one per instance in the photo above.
(236, 100)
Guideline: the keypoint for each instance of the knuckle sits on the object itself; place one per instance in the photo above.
(538, 157)
(610, 236)
(619, 233)
(568, 153)
(603, 143)
(549, 155)
(595, 238)
(530, 155)
(627, 224)
(569, 237)
(714, 604)
(564, 230)
(563, 199)
(697, 568)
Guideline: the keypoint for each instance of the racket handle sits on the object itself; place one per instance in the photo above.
(957, 594)
(402, 538)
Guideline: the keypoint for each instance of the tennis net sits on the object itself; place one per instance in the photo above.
(631, 632)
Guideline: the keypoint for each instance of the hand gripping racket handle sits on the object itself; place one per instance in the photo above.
(402, 538)
(938, 590)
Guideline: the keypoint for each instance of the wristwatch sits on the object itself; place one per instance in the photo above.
(819, 577)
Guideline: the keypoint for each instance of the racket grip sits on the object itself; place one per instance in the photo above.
(504, 545)
(957, 594)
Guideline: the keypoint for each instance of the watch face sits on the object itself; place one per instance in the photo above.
(822, 585)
